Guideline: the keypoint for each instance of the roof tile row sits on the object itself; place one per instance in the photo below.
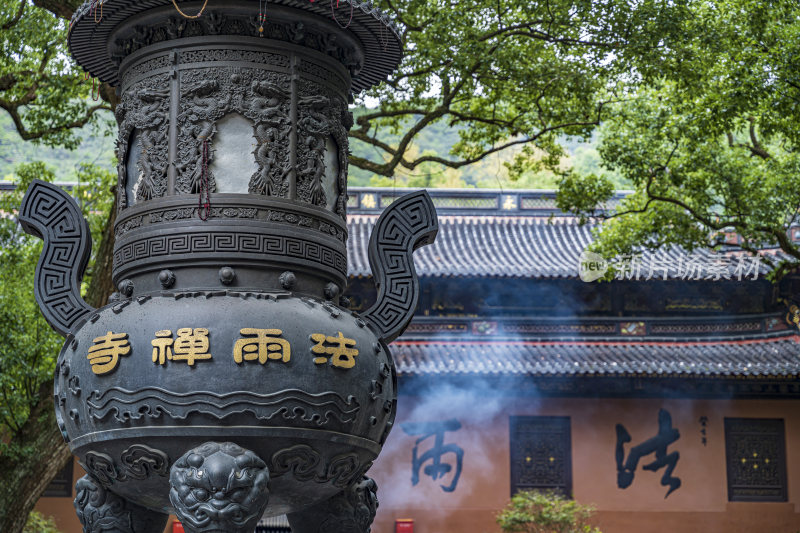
(757, 358)
(532, 247)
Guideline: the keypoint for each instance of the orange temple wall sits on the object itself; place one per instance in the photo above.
(700, 505)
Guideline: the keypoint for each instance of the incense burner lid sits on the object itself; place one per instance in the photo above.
(102, 34)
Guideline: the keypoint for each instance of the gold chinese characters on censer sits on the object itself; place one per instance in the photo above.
(190, 345)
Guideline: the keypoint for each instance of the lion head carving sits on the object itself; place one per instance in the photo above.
(219, 488)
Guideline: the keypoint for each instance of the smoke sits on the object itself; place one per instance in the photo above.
(470, 415)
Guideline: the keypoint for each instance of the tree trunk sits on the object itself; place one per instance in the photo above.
(101, 286)
(25, 476)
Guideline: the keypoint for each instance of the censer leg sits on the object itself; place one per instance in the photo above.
(350, 511)
(219, 487)
(102, 511)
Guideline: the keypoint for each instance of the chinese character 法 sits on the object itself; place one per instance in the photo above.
(261, 345)
(341, 350)
(104, 353)
(656, 445)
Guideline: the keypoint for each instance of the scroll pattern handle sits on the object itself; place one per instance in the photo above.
(52, 215)
(407, 224)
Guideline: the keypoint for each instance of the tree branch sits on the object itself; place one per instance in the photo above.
(60, 8)
(12, 109)
(13, 21)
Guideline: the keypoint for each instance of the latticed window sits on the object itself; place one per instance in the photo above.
(541, 453)
(755, 450)
(61, 486)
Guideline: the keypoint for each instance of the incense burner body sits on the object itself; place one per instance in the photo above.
(227, 378)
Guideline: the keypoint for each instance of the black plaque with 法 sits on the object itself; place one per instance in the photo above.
(541, 453)
(755, 451)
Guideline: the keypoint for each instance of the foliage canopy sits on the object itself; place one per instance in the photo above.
(708, 136)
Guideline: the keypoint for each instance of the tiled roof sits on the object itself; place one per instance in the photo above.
(523, 247)
(713, 359)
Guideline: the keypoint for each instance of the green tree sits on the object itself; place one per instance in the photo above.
(502, 74)
(708, 136)
(48, 100)
(545, 512)
(32, 450)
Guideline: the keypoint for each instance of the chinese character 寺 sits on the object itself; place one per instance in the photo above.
(190, 346)
(104, 354)
(341, 350)
(261, 345)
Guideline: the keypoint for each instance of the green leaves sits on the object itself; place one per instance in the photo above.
(708, 134)
(503, 74)
(545, 512)
(28, 346)
(40, 88)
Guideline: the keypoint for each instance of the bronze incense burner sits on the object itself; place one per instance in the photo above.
(227, 378)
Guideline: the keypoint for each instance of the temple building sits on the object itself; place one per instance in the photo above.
(666, 398)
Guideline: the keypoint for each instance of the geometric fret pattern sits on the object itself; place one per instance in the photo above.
(755, 451)
(541, 454)
(406, 225)
(51, 214)
(230, 241)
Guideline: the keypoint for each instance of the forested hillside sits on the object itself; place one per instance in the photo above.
(98, 148)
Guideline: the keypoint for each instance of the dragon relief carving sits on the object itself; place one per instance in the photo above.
(260, 96)
(270, 110)
(144, 108)
(321, 114)
(202, 104)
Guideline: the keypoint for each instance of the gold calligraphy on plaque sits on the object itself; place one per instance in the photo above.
(340, 350)
(104, 353)
(261, 345)
(192, 345)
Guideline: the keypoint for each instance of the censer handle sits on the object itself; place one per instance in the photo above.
(52, 215)
(407, 224)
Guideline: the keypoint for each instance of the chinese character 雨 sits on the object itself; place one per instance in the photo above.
(341, 350)
(435, 454)
(104, 354)
(261, 345)
(190, 346)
